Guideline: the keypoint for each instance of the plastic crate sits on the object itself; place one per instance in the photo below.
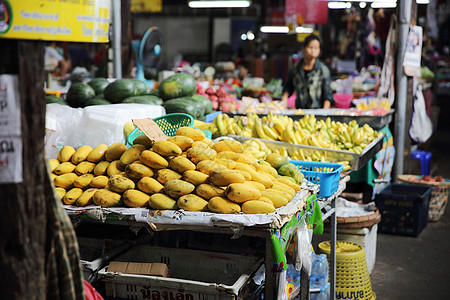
(194, 275)
(327, 175)
(403, 208)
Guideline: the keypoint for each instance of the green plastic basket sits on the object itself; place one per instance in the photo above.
(168, 123)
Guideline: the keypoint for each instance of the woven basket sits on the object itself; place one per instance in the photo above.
(352, 275)
(439, 195)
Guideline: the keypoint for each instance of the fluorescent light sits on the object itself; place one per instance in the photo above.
(274, 29)
(302, 29)
(384, 4)
(422, 1)
(339, 5)
(362, 4)
(250, 36)
(218, 4)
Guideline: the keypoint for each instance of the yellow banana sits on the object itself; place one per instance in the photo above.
(220, 124)
(270, 132)
(259, 130)
(298, 137)
(313, 141)
(278, 125)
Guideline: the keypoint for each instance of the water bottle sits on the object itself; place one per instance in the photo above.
(317, 272)
(326, 267)
(322, 295)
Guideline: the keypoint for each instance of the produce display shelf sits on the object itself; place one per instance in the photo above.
(337, 114)
(357, 161)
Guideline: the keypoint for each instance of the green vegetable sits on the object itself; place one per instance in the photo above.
(141, 87)
(55, 99)
(97, 101)
(207, 104)
(177, 86)
(181, 105)
(119, 90)
(144, 99)
(79, 93)
(98, 84)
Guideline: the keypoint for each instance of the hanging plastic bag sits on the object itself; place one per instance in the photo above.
(421, 126)
(304, 248)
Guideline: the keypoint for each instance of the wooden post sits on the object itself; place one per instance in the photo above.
(126, 37)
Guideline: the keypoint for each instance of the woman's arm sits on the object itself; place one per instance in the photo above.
(327, 92)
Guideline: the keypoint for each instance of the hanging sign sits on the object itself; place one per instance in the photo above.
(10, 130)
(413, 52)
(146, 6)
(150, 129)
(300, 12)
(56, 20)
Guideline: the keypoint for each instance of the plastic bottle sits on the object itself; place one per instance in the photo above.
(322, 295)
(317, 278)
(326, 267)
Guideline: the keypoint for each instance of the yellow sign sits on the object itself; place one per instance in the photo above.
(301, 36)
(146, 6)
(56, 20)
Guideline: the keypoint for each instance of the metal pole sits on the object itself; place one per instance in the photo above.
(332, 270)
(404, 17)
(116, 38)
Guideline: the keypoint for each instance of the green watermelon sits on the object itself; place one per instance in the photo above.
(207, 104)
(55, 99)
(154, 93)
(144, 99)
(181, 105)
(98, 84)
(119, 90)
(79, 93)
(97, 101)
(177, 86)
(141, 87)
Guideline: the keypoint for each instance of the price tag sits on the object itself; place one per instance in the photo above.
(150, 129)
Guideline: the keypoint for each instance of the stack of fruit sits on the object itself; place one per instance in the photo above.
(187, 171)
(307, 131)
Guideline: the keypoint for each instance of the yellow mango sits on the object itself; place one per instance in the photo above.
(87, 198)
(114, 168)
(136, 171)
(106, 198)
(223, 206)
(228, 145)
(53, 176)
(209, 191)
(181, 164)
(230, 164)
(65, 180)
(72, 196)
(150, 185)
(226, 177)
(264, 179)
(265, 199)
(247, 159)
(257, 207)
(208, 142)
(98, 153)
(65, 154)
(176, 188)
(277, 199)
(192, 202)
(119, 183)
(153, 160)
(81, 154)
(241, 192)
(84, 167)
(99, 182)
(194, 134)
(228, 155)
(162, 201)
(246, 175)
(83, 181)
(195, 177)
(64, 168)
(183, 142)
(115, 151)
(289, 182)
(208, 166)
(268, 169)
(283, 187)
(165, 175)
(101, 168)
(135, 198)
(166, 148)
(143, 140)
(197, 154)
(131, 154)
(286, 195)
(52, 164)
(257, 185)
(247, 168)
(201, 145)
(60, 192)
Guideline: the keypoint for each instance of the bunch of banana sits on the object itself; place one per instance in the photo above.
(205, 126)
(257, 148)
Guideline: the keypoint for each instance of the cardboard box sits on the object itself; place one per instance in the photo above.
(153, 269)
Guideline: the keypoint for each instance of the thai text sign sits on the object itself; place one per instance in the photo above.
(56, 20)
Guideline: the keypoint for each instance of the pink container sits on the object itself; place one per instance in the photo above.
(342, 100)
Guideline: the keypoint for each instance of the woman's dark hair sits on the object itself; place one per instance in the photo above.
(310, 38)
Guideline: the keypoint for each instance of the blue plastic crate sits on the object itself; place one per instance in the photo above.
(327, 175)
(403, 208)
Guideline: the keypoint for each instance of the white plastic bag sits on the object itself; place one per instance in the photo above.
(421, 126)
(304, 254)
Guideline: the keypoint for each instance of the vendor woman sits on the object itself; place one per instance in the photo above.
(309, 78)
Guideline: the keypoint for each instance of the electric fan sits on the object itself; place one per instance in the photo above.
(148, 52)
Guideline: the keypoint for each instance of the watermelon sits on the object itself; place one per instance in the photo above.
(79, 93)
(177, 86)
(55, 99)
(98, 84)
(144, 99)
(141, 87)
(97, 101)
(119, 90)
(207, 104)
(181, 105)
(154, 93)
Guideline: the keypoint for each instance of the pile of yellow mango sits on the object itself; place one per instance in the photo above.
(187, 171)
